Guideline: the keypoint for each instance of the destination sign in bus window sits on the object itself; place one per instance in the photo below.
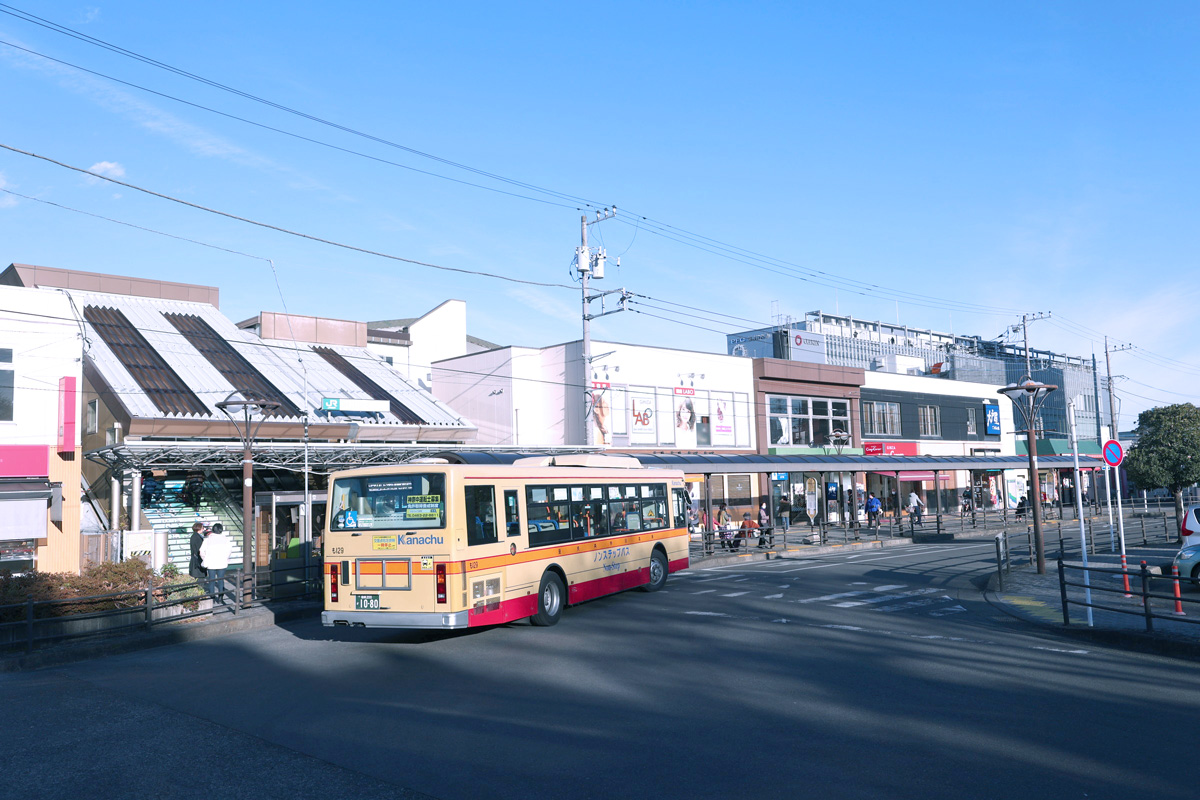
(389, 502)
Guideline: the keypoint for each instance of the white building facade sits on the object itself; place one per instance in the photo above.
(634, 397)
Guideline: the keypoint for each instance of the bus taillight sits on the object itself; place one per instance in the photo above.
(441, 583)
(333, 583)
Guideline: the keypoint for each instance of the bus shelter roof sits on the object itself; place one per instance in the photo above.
(715, 464)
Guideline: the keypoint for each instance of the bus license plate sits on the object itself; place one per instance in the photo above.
(366, 602)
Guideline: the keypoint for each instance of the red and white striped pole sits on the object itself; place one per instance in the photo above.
(1125, 572)
(1178, 600)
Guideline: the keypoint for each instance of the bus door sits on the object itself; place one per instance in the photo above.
(490, 514)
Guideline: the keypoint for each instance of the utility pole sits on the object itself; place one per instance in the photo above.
(593, 267)
(1035, 499)
(1112, 416)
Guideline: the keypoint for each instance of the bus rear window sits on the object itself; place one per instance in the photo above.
(389, 502)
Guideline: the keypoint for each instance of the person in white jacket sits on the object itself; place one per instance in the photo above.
(214, 556)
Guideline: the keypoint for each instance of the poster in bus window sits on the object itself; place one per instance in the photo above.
(642, 424)
(721, 419)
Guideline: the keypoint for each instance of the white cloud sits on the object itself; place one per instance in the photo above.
(111, 169)
(88, 16)
(154, 119)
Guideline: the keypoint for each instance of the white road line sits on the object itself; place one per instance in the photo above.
(941, 612)
(823, 598)
(734, 594)
(889, 588)
(773, 597)
(704, 591)
(924, 601)
(886, 598)
(706, 613)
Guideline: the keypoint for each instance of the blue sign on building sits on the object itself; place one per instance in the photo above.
(993, 419)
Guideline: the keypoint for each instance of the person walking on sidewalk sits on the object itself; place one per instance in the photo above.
(915, 506)
(873, 508)
(214, 554)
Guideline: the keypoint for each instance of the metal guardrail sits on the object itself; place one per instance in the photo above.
(33, 623)
(1142, 587)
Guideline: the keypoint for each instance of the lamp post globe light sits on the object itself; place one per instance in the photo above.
(1028, 396)
(241, 409)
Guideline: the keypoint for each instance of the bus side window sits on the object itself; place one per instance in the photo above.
(511, 512)
(481, 514)
(681, 508)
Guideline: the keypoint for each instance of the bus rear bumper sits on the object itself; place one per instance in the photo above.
(396, 619)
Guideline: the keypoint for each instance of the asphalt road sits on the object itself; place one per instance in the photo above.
(875, 674)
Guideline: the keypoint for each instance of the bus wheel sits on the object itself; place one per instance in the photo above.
(550, 601)
(658, 572)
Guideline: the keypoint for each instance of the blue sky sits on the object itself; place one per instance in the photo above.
(981, 159)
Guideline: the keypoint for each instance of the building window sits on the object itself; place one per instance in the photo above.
(971, 429)
(881, 419)
(93, 416)
(6, 385)
(931, 420)
(805, 421)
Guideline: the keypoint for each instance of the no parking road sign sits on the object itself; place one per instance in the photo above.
(1113, 453)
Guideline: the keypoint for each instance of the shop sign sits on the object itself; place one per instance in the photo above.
(890, 449)
(992, 415)
(779, 476)
(685, 391)
(24, 461)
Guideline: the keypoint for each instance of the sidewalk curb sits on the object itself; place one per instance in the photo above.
(1156, 643)
(171, 633)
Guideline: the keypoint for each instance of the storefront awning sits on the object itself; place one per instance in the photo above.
(23, 507)
(915, 476)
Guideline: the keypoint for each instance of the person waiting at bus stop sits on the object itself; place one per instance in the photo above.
(748, 524)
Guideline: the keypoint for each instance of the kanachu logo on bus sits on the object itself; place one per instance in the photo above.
(417, 538)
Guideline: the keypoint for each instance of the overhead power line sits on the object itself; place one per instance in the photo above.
(287, 231)
(656, 227)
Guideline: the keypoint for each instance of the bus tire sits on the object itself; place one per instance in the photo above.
(551, 599)
(658, 572)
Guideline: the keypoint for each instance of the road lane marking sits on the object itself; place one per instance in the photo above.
(884, 599)
(734, 594)
(941, 612)
(889, 587)
(704, 591)
(823, 598)
(773, 597)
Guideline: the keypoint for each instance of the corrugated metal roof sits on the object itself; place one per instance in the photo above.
(285, 366)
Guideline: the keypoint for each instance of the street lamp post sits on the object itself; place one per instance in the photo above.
(1028, 396)
(246, 407)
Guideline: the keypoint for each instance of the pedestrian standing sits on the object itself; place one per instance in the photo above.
(214, 555)
(195, 565)
(725, 525)
(785, 513)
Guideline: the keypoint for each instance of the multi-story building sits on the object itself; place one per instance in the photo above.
(844, 340)
(41, 355)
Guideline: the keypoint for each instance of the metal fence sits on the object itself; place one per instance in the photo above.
(1167, 590)
(35, 624)
(1063, 539)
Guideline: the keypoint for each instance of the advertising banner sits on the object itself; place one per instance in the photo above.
(992, 415)
(642, 427)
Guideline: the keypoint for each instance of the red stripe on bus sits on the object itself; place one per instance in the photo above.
(506, 611)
